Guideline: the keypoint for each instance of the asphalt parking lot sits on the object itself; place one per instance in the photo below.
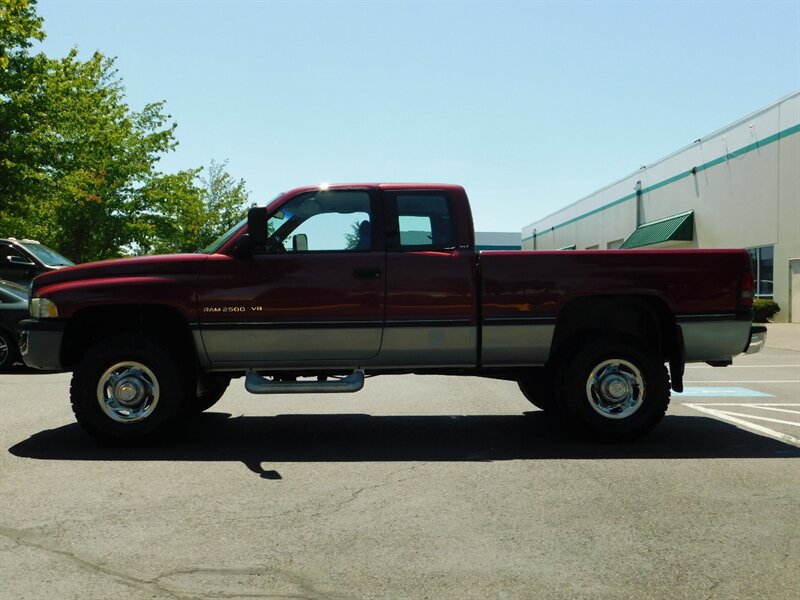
(416, 487)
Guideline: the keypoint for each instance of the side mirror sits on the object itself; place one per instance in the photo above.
(20, 261)
(257, 226)
(244, 246)
(300, 242)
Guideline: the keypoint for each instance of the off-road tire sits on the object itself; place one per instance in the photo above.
(127, 388)
(537, 386)
(613, 388)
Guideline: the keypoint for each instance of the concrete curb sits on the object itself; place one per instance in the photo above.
(785, 336)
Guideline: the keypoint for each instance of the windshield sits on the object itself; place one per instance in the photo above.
(221, 240)
(48, 256)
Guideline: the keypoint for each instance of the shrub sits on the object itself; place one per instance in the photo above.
(764, 310)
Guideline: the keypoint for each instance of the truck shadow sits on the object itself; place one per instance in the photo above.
(255, 441)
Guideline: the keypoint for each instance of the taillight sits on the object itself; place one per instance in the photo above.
(748, 290)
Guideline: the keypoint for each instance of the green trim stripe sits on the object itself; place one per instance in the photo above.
(735, 154)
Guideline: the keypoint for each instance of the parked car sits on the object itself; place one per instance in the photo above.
(22, 260)
(13, 308)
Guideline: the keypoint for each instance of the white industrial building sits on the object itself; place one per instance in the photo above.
(497, 240)
(736, 188)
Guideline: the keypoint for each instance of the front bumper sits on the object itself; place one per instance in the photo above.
(40, 343)
(758, 339)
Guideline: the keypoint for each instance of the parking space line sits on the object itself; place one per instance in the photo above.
(746, 367)
(735, 414)
(744, 381)
(783, 410)
(719, 392)
(723, 416)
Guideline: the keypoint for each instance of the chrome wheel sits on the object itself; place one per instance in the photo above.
(615, 389)
(128, 392)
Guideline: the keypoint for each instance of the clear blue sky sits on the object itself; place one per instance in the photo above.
(529, 105)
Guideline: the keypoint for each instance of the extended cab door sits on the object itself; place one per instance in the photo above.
(431, 315)
(314, 297)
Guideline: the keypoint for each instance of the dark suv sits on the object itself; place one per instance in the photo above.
(22, 260)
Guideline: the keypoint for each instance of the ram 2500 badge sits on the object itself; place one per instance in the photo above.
(326, 285)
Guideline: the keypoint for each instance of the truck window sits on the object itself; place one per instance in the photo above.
(424, 221)
(333, 221)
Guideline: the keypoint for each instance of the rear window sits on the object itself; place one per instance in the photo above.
(424, 221)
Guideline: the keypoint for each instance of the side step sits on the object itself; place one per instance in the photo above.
(256, 384)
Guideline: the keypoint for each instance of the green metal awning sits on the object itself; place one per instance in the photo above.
(677, 228)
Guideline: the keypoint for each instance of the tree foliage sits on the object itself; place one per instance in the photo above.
(78, 165)
(194, 208)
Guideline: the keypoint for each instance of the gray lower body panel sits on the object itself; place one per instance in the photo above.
(334, 348)
(262, 348)
(714, 340)
(428, 347)
(512, 345)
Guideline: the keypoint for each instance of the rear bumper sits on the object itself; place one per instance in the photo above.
(758, 339)
(40, 343)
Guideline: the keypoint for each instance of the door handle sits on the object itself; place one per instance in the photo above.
(367, 273)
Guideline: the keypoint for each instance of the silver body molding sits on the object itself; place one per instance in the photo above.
(289, 347)
(411, 347)
(332, 348)
(506, 345)
(516, 345)
(41, 349)
(714, 340)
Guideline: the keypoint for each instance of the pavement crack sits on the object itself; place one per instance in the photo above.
(354, 495)
(25, 537)
(159, 588)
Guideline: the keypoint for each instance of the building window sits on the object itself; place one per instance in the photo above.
(763, 261)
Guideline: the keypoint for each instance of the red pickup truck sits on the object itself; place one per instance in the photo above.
(328, 284)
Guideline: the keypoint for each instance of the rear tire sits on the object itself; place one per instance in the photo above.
(127, 388)
(537, 387)
(613, 388)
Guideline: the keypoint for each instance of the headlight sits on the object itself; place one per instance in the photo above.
(42, 308)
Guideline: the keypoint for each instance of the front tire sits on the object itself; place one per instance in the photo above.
(613, 388)
(213, 390)
(126, 389)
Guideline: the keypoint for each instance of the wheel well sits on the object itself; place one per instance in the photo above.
(646, 318)
(90, 325)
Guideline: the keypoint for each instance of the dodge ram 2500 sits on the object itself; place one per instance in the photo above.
(326, 285)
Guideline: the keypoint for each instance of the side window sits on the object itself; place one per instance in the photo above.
(336, 220)
(424, 222)
(6, 251)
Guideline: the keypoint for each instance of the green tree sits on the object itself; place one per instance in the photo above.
(19, 165)
(78, 166)
(351, 239)
(189, 209)
(75, 164)
(18, 26)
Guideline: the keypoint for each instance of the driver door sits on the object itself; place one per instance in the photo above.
(314, 297)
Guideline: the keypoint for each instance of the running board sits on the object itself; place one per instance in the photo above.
(256, 384)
